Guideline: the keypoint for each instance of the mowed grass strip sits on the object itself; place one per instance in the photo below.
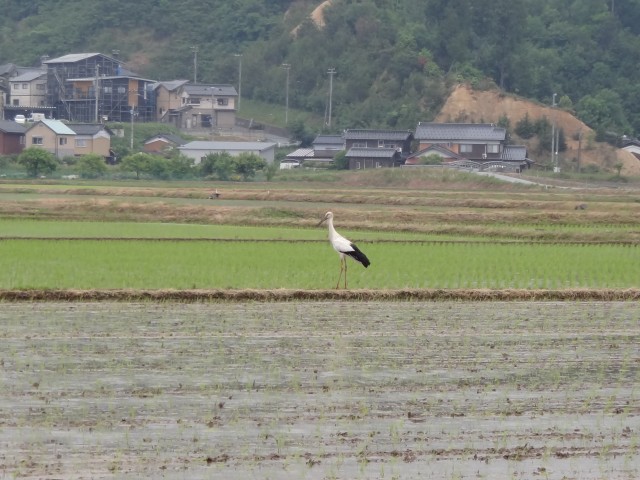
(44, 229)
(139, 264)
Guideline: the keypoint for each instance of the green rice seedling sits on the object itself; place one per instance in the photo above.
(93, 264)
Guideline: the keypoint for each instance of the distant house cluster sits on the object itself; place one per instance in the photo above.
(467, 146)
(92, 89)
(62, 106)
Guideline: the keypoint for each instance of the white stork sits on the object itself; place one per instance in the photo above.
(344, 247)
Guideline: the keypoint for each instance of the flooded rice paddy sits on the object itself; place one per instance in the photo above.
(320, 390)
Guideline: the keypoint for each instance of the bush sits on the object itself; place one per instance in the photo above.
(91, 166)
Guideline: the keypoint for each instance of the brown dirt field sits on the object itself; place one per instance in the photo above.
(468, 105)
(320, 390)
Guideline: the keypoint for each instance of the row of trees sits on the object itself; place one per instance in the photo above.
(220, 166)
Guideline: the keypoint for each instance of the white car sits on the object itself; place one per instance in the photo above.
(20, 119)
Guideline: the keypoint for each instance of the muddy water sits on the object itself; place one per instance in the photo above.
(315, 390)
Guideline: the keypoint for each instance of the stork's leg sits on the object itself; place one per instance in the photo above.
(338, 284)
(345, 273)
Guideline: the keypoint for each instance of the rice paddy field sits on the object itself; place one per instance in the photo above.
(147, 331)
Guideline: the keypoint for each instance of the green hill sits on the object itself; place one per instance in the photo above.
(394, 59)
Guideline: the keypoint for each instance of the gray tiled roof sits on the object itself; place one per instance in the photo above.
(28, 76)
(460, 132)
(171, 85)
(205, 90)
(73, 57)
(301, 153)
(85, 128)
(366, 134)
(7, 68)
(228, 146)
(514, 152)
(167, 136)
(9, 126)
(337, 140)
(362, 152)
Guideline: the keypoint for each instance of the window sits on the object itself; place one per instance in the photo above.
(378, 165)
(108, 90)
(40, 87)
(357, 165)
(62, 141)
(16, 86)
(466, 148)
(16, 102)
(359, 144)
(37, 141)
(81, 142)
(223, 101)
(122, 90)
(25, 86)
(495, 148)
(381, 143)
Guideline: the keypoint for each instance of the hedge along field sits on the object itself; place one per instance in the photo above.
(140, 264)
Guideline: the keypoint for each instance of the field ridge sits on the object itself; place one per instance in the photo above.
(284, 295)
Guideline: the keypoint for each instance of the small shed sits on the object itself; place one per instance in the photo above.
(12, 137)
(364, 158)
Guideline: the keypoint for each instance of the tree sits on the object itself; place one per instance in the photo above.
(525, 128)
(91, 166)
(247, 164)
(340, 161)
(180, 166)
(219, 164)
(431, 159)
(138, 163)
(37, 161)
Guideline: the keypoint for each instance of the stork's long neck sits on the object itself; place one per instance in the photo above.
(332, 231)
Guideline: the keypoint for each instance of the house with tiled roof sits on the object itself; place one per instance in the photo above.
(362, 158)
(163, 142)
(481, 146)
(372, 138)
(328, 146)
(207, 106)
(376, 148)
(52, 135)
(92, 138)
(29, 90)
(169, 101)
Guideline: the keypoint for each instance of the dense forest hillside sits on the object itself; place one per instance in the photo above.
(394, 60)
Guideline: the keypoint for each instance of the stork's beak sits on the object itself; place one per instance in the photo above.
(321, 221)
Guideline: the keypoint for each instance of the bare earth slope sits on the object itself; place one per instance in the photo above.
(468, 105)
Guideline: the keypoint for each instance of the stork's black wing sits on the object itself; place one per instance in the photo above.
(357, 255)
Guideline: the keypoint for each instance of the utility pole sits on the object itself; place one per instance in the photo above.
(97, 87)
(579, 148)
(239, 55)
(287, 67)
(132, 113)
(331, 72)
(553, 133)
(195, 64)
